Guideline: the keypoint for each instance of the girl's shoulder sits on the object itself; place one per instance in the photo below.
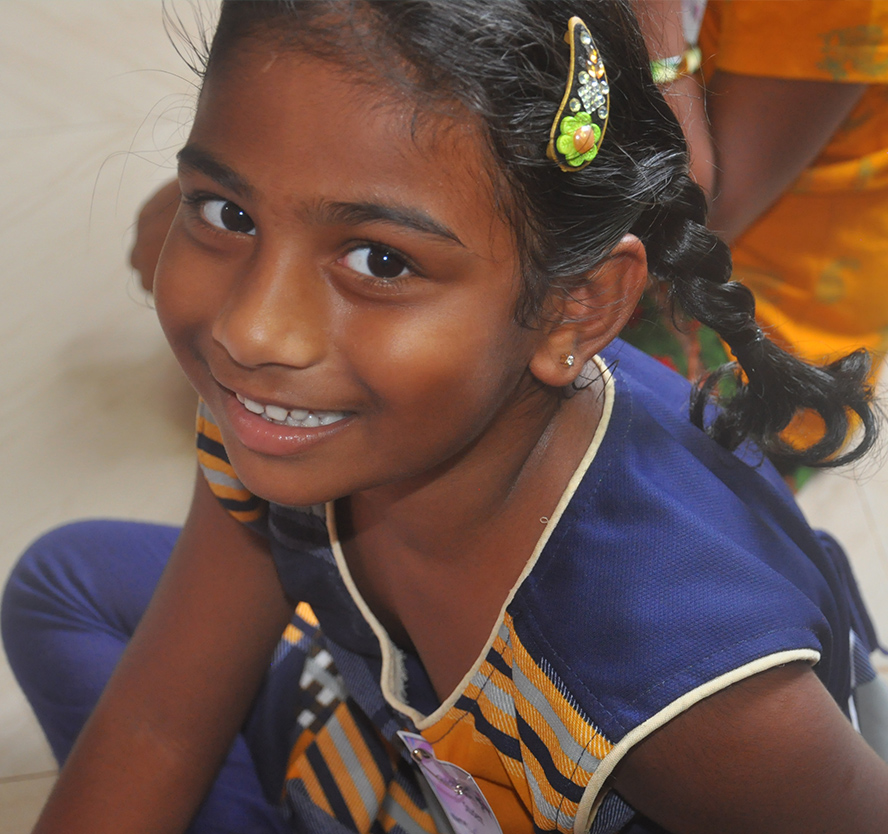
(674, 570)
(676, 566)
(651, 420)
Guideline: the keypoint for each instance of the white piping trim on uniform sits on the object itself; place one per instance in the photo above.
(392, 675)
(593, 795)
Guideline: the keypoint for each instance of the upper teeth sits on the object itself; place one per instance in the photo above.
(300, 417)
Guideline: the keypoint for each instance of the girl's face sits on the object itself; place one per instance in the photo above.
(342, 270)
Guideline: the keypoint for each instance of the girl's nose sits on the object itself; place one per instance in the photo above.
(275, 314)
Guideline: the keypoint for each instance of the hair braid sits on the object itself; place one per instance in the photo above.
(770, 386)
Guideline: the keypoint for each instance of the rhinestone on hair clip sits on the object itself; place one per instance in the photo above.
(579, 125)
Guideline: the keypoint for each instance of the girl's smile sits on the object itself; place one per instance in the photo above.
(276, 430)
(341, 288)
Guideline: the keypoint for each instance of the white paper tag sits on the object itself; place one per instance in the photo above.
(460, 797)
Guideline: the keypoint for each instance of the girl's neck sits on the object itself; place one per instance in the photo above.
(523, 471)
(436, 565)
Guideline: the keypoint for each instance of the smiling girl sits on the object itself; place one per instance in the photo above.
(539, 584)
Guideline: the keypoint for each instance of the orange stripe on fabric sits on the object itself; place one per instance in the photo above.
(246, 516)
(304, 611)
(503, 721)
(292, 634)
(208, 429)
(385, 819)
(216, 464)
(297, 751)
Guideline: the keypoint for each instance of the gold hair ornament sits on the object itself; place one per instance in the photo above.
(579, 125)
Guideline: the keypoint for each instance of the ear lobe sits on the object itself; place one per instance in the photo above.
(591, 315)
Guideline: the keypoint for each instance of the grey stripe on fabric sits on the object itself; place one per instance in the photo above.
(402, 817)
(214, 476)
(572, 749)
(355, 767)
(497, 696)
(552, 675)
(543, 806)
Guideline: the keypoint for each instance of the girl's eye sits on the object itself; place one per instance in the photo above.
(223, 214)
(376, 262)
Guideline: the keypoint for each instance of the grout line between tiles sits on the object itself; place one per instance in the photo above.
(26, 777)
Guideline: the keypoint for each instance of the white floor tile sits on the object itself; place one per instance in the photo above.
(21, 800)
(852, 505)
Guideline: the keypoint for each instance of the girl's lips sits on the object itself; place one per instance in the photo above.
(259, 431)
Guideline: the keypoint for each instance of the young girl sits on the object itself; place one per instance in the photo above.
(530, 593)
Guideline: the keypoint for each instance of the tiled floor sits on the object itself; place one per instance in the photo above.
(95, 419)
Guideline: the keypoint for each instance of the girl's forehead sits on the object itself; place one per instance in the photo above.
(349, 76)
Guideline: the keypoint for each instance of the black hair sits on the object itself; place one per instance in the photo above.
(506, 62)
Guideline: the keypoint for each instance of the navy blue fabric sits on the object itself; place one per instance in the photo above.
(675, 562)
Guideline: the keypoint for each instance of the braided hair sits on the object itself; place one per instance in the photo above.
(506, 62)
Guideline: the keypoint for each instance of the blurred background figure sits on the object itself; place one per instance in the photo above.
(152, 225)
(786, 111)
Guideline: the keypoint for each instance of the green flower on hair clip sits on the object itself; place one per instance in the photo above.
(581, 120)
(578, 140)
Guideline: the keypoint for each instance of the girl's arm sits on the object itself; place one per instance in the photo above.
(661, 25)
(753, 135)
(766, 131)
(770, 754)
(163, 726)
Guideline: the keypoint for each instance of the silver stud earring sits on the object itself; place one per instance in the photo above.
(567, 359)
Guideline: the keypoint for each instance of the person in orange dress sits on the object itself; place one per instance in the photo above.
(792, 147)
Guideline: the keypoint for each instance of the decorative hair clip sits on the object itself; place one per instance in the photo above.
(579, 125)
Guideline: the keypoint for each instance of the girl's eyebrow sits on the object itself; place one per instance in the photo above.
(354, 213)
(348, 213)
(194, 157)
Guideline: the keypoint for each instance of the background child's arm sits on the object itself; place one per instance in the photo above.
(661, 25)
(152, 224)
(770, 754)
(170, 712)
(754, 134)
(766, 131)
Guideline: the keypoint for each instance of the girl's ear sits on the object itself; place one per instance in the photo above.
(587, 318)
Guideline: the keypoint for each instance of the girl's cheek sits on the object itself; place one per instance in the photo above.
(179, 281)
